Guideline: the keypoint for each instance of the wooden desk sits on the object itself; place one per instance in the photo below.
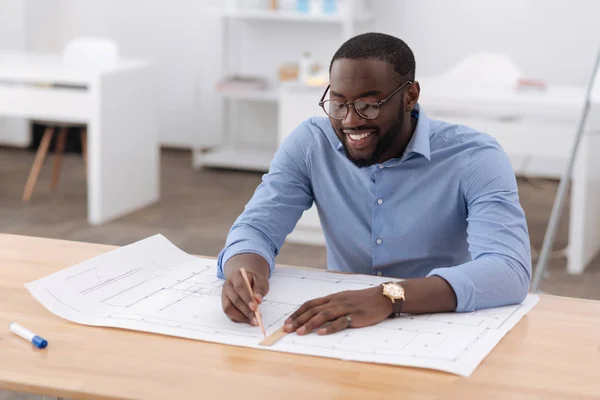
(554, 352)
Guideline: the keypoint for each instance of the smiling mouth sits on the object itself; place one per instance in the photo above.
(359, 136)
(360, 139)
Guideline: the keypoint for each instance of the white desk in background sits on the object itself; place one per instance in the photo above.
(531, 127)
(536, 129)
(118, 104)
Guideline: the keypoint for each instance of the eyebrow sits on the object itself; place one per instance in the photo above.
(365, 94)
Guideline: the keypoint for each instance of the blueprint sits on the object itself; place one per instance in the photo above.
(153, 286)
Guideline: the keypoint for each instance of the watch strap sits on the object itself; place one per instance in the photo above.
(397, 308)
(397, 303)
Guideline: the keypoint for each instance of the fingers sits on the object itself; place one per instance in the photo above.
(234, 304)
(322, 317)
(338, 325)
(315, 318)
(260, 286)
(232, 312)
(306, 307)
(237, 302)
(241, 289)
(303, 318)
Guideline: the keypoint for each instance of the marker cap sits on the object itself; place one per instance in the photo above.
(39, 342)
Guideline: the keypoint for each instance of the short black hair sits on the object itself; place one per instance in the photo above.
(379, 46)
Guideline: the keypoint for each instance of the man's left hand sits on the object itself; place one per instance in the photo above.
(349, 309)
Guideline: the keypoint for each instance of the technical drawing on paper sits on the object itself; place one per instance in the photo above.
(153, 286)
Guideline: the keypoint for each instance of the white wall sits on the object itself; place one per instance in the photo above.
(12, 25)
(165, 31)
(13, 131)
(554, 40)
(43, 21)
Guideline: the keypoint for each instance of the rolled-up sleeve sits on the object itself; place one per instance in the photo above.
(277, 204)
(500, 271)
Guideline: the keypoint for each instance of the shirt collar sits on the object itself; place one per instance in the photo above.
(419, 143)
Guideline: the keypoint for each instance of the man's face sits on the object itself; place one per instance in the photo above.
(366, 141)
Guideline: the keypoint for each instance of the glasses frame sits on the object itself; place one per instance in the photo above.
(352, 103)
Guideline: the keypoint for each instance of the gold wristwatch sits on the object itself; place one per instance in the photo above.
(395, 292)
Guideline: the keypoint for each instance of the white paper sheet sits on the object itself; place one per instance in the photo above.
(153, 286)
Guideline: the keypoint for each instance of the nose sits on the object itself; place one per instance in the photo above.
(352, 119)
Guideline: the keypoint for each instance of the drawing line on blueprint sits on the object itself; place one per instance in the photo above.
(135, 301)
(149, 319)
(160, 266)
(179, 300)
(340, 279)
(125, 290)
(62, 302)
(109, 281)
(514, 311)
(206, 330)
(437, 319)
(178, 281)
(95, 269)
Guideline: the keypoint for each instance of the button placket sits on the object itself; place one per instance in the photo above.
(377, 216)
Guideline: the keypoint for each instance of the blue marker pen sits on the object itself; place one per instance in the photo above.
(28, 335)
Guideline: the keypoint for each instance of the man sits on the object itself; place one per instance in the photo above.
(398, 194)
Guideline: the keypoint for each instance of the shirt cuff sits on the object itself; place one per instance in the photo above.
(461, 284)
(245, 241)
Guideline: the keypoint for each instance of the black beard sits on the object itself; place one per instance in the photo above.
(385, 142)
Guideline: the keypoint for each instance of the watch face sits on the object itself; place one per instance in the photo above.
(394, 290)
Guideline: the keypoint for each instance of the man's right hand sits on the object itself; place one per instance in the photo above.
(236, 300)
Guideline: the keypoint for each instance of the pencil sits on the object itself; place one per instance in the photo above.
(256, 313)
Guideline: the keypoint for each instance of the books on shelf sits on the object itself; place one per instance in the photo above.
(242, 83)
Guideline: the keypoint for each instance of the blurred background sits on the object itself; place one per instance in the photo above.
(120, 119)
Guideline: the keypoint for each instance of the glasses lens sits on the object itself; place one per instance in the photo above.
(367, 108)
(335, 108)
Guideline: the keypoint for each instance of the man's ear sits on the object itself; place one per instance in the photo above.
(412, 96)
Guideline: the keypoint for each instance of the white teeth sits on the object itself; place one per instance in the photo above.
(359, 136)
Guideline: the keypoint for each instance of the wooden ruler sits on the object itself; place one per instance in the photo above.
(273, 338)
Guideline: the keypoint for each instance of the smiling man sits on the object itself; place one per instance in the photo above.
(398, 194)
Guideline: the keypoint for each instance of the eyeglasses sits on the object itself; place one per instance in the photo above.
(367, 108)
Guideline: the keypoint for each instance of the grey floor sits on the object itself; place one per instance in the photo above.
(198, 207)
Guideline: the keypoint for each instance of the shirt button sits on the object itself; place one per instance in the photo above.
(380, 201)
(379, 241)
(379, 273)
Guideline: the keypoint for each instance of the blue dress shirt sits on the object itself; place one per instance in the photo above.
(448, 207)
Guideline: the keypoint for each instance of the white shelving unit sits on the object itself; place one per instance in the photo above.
(247, 121)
